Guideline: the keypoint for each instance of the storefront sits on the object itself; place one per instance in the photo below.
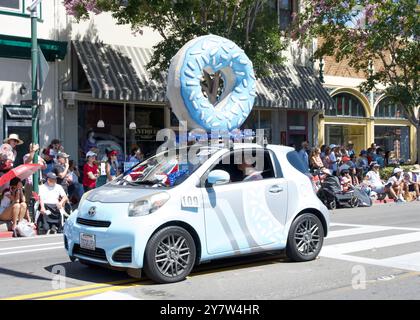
(393, 131)
(349, 120)
(116, 100)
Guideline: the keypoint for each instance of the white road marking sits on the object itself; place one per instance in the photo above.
(33, 238)
(34, 250)
(342, 251)
(355, 231)
(31, 246)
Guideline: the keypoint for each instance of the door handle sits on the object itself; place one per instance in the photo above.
(276, 189)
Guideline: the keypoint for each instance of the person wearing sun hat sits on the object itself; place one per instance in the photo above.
(412, 181)
(396, 182)
(13, 140)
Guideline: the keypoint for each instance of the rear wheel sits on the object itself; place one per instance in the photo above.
(306, 236)
(332, 204)
(170, 255)
(354, 202)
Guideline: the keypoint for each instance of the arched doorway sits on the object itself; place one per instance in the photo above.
(348, 120)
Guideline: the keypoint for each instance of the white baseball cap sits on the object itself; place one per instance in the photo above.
(90, 154)
(396, 170)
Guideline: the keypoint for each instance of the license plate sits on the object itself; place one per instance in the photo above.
(87, 241)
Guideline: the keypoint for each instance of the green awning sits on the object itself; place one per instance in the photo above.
(20, 48)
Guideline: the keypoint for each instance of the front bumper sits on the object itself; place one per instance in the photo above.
(121, 245)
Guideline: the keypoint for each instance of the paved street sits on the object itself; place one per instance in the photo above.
(371, 253)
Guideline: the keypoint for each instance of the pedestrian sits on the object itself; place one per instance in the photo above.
(362, 163)
(75, 188)
(303, 153)
(315, 160)
(333, 159)
(327, 160)
(90, 171)
(111, 166)
(375, 183)
(61, 170)
(28, 158)
(396, 183)
(136, 155)
(54, 148)
(350, 149)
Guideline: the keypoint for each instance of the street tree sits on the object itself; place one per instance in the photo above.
(370, 33)
(252, 24)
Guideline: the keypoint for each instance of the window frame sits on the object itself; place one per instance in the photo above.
(274, 163)
(22, 11)
(349, 102)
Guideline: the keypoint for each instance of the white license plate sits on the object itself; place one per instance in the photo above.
(87, 241)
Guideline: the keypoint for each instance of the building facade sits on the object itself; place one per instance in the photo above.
(364, 119)
(98, 90)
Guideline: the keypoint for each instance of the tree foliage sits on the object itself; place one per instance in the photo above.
(252, 24)
(369, 33)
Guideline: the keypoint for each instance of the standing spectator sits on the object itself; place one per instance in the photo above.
(323, 151)
(363, 163)
(28, 158)
(75, 189)
(13, 206)
(303, 153)
(111, 166)
(136, 155)
(13, 140)
(315, 159)
(61, 169)
(350, 149)
(380, 158)
(54, 148)
(326, 160)
(49, 162)
(333, 159)
(90, 171)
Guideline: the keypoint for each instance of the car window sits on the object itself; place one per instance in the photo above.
(296, 161)
(242, 165)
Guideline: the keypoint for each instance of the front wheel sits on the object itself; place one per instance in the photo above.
(170, 255)
(305, 239)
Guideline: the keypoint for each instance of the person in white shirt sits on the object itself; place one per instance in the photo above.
(412, 183)
(52, 199)
(374, 181)
(396, 183)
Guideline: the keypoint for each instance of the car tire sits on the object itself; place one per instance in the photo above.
(302, 244)
(170, 255)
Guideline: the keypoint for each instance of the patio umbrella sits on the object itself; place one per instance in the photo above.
(22, 172)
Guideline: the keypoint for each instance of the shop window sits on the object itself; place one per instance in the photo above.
(346, 105)
(11, 5)
(259, 119)
(389, 109)
(17, 7)
(395, 141)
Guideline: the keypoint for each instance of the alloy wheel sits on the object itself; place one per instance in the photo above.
(307, 237)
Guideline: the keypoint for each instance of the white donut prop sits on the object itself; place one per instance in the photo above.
(211, 53)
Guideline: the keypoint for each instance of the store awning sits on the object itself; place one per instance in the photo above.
(20, 48)
(119, 73)
(292, 87)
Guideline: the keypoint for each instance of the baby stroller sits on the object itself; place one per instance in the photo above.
(333, 197)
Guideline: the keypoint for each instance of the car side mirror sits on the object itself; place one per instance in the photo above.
(218, 177)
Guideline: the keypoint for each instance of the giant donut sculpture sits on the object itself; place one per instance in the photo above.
(211, 53)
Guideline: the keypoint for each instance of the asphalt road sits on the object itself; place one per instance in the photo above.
(371, 253)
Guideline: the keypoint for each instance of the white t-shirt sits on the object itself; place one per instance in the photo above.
(49, 194)
(374, 179)
(394, 179)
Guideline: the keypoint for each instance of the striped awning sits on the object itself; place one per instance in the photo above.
(119, 73)
(292, 87)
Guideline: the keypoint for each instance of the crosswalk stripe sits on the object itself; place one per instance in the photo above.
(356, 231)
(362, 245)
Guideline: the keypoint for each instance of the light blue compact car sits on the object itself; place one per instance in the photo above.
(166, 215)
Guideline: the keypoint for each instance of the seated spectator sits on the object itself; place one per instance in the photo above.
(374, 182)
(13, 206)
(380, 158)
(362, 163)
(52, 199)
(345, 180)
(396, 183)
(411, 183)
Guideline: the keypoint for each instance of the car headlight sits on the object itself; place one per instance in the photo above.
(147, 205)
(85, 195)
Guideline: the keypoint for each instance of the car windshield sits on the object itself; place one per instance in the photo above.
(166, 169)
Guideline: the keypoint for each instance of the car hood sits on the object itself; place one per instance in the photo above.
(117, 194)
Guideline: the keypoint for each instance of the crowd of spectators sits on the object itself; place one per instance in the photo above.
(363, 170)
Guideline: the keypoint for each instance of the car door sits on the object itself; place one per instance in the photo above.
(242, 215)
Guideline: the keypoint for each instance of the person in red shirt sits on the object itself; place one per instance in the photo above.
(90, 172)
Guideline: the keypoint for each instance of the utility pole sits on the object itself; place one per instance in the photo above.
(35, 110)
